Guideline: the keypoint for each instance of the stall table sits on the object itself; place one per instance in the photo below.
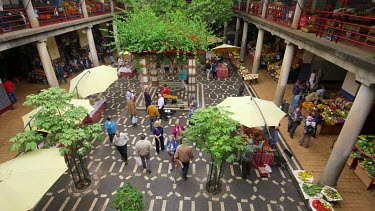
(263, 158)
(222, 71)
(98, 109)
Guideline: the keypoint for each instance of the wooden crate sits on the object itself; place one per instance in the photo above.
(352, 162)
(364, 176)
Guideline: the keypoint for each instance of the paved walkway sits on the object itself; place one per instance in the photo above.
(277, 192)
(160, 192)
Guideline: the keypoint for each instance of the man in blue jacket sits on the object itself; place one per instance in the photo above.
(110, 127)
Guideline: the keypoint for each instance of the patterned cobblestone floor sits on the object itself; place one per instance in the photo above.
(276, 192)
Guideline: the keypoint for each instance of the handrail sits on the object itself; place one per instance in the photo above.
(13, 19)
(329, 25)
(47, 15)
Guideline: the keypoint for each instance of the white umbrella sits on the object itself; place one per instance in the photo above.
(25, 179)
(94, 80)
(246, 111)
(225, 48)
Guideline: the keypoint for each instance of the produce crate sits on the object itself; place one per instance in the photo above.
(352, 162)
(331, 129)
(362, 174)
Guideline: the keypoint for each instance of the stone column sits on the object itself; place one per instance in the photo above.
(46, 62)
(84, 10)
(236, 37)
(258, 51)
(264, 9)
(111, 6)
(225, 32)
(192, 88)
(348, 135)
(115, 33)
(144, 73)
(244, 39)
(30, 13)
(297, 13)
(90, 40)
(154, 73)
(284, 75)
(248, 6)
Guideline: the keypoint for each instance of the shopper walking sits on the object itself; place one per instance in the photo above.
(215, 66)
(296, 102)
(147, 97)
(61, 72)
(247, 157)
(183, 76)
(9, 88)
(131, 109)
(161, 107)
(177, 129)
(153, 113)
(171, 146)
(142, 149)
(294, 120)
(121, 141)
(110, 127)
(159, 136)
(308, 131)
(208, 69)
(185, 155)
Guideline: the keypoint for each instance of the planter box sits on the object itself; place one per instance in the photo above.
(364, 176)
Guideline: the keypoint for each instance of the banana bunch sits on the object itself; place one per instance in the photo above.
(304, 175)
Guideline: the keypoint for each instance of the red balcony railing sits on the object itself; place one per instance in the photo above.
(94, 9)
(47, 15)
(280, 14)
(328, 25)
(256, 8)
(340, 26)
(14, 19)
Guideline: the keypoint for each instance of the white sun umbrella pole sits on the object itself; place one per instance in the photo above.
(76, 87)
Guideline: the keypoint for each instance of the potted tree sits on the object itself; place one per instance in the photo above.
(63, 122)
(215, 133)
(129, 198)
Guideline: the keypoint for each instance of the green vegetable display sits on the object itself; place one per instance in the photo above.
(311, 190)
(331, 193)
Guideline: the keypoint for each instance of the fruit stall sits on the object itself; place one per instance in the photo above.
(364, 154)
(247, 76)
(320, 198)
(334, 113)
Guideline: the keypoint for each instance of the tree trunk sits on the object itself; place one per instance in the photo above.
(77, 168)
(213, 184)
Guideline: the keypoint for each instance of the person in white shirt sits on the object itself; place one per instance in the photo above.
(120, 61)
(121, 140)
(161, 107)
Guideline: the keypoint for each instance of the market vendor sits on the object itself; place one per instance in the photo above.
(166, 94)
(314, 97)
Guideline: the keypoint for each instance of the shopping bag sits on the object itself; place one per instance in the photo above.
(179, 164)
(134, 120)
(268, 168)
(138, 160)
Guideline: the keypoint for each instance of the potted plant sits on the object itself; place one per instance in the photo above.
(129, 198)
(215, 133)
(63, 121)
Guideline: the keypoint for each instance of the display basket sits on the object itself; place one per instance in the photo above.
(308, 180)
(311, 202)
(325, 188)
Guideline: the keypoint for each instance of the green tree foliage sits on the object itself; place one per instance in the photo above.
(60, 119)
(129, 198)
(215, 133)
(143, 30)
